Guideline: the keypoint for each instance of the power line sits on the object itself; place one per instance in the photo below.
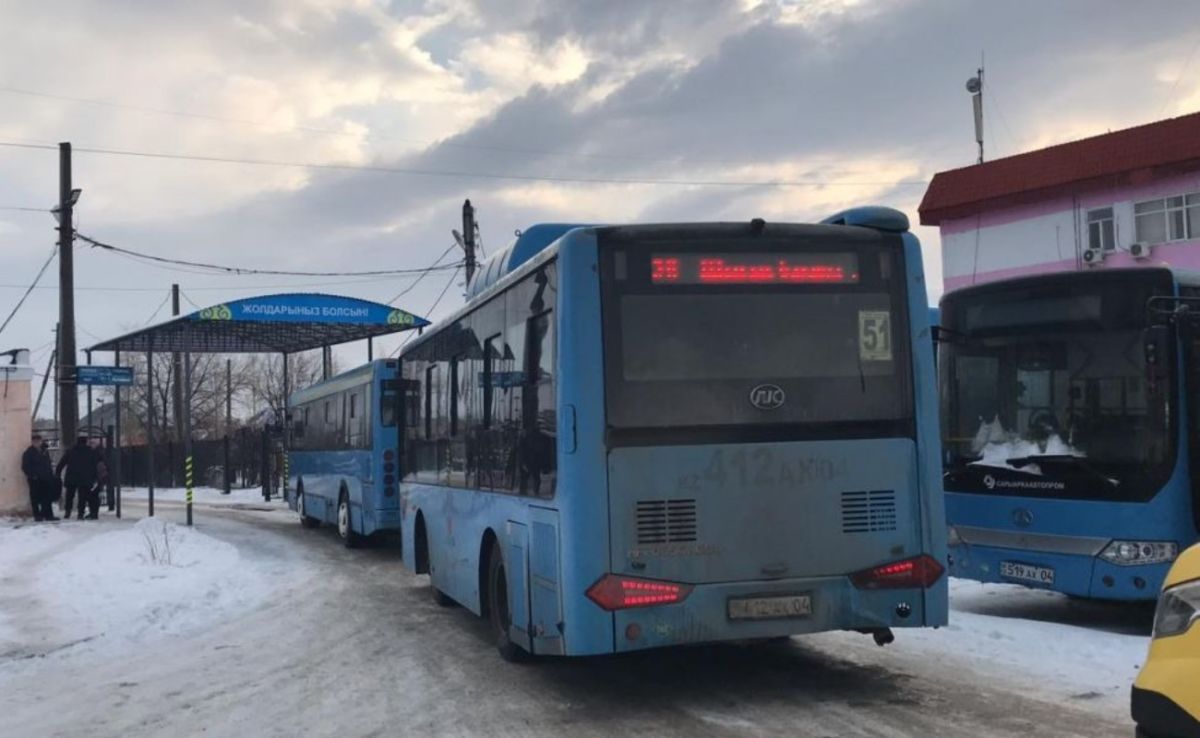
(354, 134)
(417, 281)
(220, 268)
(190, 301)
(161, 305)
(214, 288)
(36, 279)
(1182, 72)
(24, 209)
(431, 309)
(462, 174)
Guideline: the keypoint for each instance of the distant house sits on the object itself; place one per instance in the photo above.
(1126, 198)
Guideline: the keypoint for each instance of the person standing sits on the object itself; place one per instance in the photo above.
(39, 472)
(80, 462)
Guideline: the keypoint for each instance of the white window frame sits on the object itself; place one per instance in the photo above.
(1176, 212)
(1100, 217)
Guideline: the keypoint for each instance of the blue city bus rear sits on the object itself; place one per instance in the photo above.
(744, 438)
(343, 448)
(1066, 449)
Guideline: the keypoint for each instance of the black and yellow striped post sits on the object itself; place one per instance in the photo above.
(186, 411)
(187, 481)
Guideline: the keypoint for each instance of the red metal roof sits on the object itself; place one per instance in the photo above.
(1130, 156)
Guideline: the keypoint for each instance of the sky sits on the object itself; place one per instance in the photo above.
(406, 108)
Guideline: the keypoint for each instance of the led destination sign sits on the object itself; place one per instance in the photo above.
(761, 268)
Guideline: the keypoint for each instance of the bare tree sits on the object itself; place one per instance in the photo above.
(265, 380)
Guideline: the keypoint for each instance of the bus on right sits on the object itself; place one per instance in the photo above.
(1071, 429)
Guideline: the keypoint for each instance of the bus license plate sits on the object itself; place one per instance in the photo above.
(1027, 573)
(765, 608)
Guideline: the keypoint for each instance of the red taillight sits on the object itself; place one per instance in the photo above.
(615, 592)
(921, 572)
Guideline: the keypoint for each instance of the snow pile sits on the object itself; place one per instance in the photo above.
(996, 446)
(154, 577)
(22, 546)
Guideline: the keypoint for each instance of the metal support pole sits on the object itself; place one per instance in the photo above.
(287, 425)
(228, 425)
(187, 433)
(90, 417)
(150, 428)
(115, 472)
(370, 349)
(68, 392)
(109, 490)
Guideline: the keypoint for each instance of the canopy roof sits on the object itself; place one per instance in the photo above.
(285, 323)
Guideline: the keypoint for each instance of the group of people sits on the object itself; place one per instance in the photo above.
(86, 473)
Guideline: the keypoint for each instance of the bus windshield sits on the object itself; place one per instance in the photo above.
(777, 336)
(1045, 392)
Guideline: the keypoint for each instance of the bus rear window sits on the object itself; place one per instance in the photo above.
(685, 352)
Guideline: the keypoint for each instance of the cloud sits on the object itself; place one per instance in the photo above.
(859, 100)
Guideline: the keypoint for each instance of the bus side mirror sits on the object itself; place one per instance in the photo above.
(1156, 345)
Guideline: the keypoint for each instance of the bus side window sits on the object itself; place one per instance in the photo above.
(538, 431)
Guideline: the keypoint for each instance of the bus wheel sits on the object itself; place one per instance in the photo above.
(498, 608)
(306, 520)
(345, 529)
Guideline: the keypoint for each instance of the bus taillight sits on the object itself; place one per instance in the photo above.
(615, 592)
(921, 571)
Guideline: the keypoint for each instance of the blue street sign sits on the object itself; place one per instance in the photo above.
(122, 375)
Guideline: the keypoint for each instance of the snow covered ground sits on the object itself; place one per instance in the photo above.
(206, 496)
(1036, 642)
(248, 598)
(110, 584)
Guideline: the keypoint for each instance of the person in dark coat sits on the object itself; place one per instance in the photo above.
(80, 462)
(39, 472)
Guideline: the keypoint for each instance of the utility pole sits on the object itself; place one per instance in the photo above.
(176, 374)
(67, 393)
(176, 392)
(468, 239)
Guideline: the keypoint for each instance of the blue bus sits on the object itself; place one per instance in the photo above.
(649, 435)
(1070, 417)
(344, 449)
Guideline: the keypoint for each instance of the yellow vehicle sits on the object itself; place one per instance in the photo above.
(1166, 695)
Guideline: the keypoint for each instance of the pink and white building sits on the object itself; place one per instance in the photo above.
(1123, 199)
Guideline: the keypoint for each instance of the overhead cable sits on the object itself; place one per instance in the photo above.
(463, 174)
(225, 269)
(36, 279)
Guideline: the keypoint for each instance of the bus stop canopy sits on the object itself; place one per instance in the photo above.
(284, 324)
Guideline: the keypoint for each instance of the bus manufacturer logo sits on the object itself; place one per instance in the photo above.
(1022, 517)
(767, 397)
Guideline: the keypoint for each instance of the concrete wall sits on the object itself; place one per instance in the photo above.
(16, 425)
(1050, 236)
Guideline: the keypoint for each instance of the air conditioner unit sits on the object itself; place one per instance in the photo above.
(1093, 257)
(1140, 250)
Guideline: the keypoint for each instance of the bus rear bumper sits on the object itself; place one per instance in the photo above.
(834, 604)
(1073, 574)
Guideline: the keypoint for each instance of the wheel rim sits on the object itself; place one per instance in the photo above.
(343, 519)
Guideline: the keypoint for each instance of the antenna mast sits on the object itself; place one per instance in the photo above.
(975, 87)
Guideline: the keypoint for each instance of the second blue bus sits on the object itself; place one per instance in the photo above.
(1071, 421)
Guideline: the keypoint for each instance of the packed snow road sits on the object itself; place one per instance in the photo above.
(299, 636)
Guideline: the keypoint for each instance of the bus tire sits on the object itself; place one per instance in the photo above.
(344, 525)
(306, 520)
(498, 612)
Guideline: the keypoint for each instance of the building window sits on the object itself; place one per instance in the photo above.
(1101, 235)
(1167, 219)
